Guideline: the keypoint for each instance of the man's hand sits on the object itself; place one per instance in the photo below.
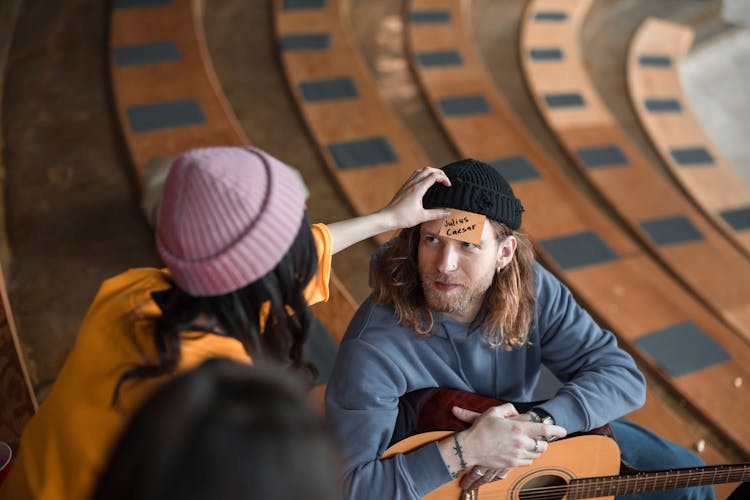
(498, 440)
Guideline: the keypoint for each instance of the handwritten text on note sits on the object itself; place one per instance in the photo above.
(463, 226)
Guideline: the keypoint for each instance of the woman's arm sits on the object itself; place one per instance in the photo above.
(404, 210)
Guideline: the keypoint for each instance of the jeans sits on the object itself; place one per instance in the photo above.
(644, 450)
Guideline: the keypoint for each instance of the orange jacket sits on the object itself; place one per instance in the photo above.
(67, 443)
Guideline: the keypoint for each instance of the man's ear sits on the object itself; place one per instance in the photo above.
(505, 252)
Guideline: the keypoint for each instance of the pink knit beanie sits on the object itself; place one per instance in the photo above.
(228, 215)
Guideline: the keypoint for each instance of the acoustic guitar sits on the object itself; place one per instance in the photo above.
(580, 466)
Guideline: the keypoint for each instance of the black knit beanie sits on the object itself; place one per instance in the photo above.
(476, 187)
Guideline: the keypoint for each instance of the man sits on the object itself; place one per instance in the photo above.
(461, 303)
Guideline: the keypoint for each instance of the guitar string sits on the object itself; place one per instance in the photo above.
(586, 487)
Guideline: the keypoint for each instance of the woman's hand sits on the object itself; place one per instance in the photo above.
(405, 209)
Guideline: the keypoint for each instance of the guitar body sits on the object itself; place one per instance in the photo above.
(576, 457)
(582, 465)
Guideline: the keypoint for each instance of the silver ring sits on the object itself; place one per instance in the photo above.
(536, 445)
(479, 472)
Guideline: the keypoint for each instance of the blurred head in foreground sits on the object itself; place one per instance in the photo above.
(225, 431)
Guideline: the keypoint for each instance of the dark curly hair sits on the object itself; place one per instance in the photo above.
(280, 336)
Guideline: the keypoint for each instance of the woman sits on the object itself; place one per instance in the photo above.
(242, 266)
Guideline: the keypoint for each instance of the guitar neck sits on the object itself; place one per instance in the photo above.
(657, 481)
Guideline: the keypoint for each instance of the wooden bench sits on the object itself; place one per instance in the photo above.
(605, 268)
(665, 222)
(366, 147)
(169, 100)
(699, 167)
(17, 399)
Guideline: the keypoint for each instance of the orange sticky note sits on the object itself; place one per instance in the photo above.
(463, 226)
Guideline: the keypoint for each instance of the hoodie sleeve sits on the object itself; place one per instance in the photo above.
(601, 382)
(362, 407)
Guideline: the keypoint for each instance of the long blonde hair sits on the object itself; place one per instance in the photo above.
(508, 303)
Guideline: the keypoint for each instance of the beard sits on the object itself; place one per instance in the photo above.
(458, 300)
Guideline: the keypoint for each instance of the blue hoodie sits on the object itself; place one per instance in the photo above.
(379, 361)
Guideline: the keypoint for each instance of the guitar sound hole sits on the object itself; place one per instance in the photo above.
(530, 489)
